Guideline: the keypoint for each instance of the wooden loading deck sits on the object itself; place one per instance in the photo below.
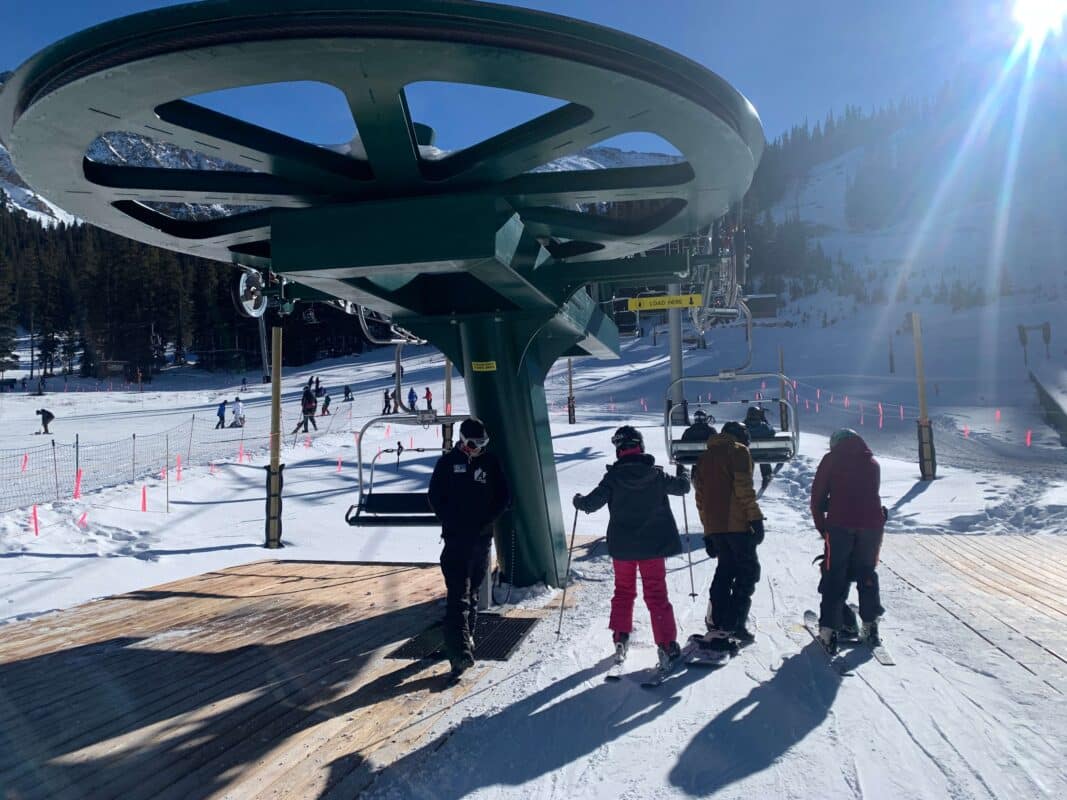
(263, 680)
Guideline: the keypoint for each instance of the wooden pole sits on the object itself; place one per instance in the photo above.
(927, 454)
(274, 470)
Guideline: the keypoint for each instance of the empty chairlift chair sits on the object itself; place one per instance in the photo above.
(378, 509)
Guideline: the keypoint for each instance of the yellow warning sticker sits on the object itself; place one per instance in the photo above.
(483, 366)
(663, 301)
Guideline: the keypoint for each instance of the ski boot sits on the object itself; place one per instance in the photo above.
(622, 646)
(716, 640)
(669, 656)
(869, 633)
(461, 665)
(828, 637)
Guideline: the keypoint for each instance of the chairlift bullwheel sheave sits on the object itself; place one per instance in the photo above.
(247, 291)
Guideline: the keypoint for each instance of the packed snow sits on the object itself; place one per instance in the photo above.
(956, 717)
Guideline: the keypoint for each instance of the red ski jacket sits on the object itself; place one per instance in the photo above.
(845, 491)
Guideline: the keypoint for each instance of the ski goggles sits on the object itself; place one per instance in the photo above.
(475, 443)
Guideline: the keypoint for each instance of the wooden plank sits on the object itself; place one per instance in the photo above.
(215, 677)
(1027, 568)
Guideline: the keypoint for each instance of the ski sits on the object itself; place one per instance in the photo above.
(879, 651)
(616, 671)
(655, 676)
(837, 663)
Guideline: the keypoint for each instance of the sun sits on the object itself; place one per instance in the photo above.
(1039, 19)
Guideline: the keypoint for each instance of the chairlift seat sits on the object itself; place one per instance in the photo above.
(772, 450)
(392, 509)
(686, 453)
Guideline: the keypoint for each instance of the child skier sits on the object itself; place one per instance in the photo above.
(641, 535)
(413, 399)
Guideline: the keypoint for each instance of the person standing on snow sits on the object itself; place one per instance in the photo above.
(733, 529)
(387, 404)
(308, 404)
(641, 535)
(848, 513)
(468, 493)
(221, 413)
(428, 397)
(413, 399)
(325, 406)
(46, 419)
(238, 413)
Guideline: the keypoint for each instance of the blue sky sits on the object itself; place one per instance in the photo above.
(792, 59)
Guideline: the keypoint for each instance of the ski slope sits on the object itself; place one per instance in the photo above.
(974, 708)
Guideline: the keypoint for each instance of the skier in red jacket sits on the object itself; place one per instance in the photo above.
(848, 513)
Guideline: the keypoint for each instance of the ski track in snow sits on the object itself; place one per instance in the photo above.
(955, 718)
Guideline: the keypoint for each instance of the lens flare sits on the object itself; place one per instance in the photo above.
(1039, 19)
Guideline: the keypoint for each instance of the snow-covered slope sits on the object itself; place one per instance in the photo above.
(948, 232)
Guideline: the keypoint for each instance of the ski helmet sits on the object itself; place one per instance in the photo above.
(627, 438)
(839, 436)
(472, 434)
(736, 430)
(699, 417)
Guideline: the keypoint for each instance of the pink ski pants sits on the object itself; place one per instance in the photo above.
(654, 585)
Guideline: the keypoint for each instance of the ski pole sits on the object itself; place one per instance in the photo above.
(688, 550)
(567, 574)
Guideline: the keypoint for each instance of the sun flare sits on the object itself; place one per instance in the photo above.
(1039, 19)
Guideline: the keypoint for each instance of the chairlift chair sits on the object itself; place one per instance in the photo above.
(781, 447)
(395, 509)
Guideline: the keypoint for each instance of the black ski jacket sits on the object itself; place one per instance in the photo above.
(698, 432)
(468, 494)
(641, 525)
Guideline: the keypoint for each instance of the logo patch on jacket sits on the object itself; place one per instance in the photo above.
(479, 475)
(459, 468)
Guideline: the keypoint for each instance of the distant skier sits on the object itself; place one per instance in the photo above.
(318, 387)
(220, 412)
(387, 403)
(848, 513)
(308, 404)
(758, 428)
(46, 419)
(428, 397)
(244, 384)
(733, 529)
(413, 399)
(348, 394)
(325, 407)
(700, 430)
(468, 492)
(238, 413)
(641, 534)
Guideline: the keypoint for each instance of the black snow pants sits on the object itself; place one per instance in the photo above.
(221, 423)
(851, 555)
(464, 562)
(736, 576)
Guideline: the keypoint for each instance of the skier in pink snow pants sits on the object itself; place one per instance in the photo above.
(641, 535)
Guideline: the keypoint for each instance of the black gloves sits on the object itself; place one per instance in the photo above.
(681, 471)
(885, 514)
(709, 547)
(756, 526)
(577, 501)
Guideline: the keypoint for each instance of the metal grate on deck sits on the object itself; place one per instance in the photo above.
(495, 639)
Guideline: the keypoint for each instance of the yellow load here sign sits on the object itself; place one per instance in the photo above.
(665, 301)
(483, 366)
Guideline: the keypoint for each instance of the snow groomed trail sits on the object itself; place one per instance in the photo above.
(972, 579)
